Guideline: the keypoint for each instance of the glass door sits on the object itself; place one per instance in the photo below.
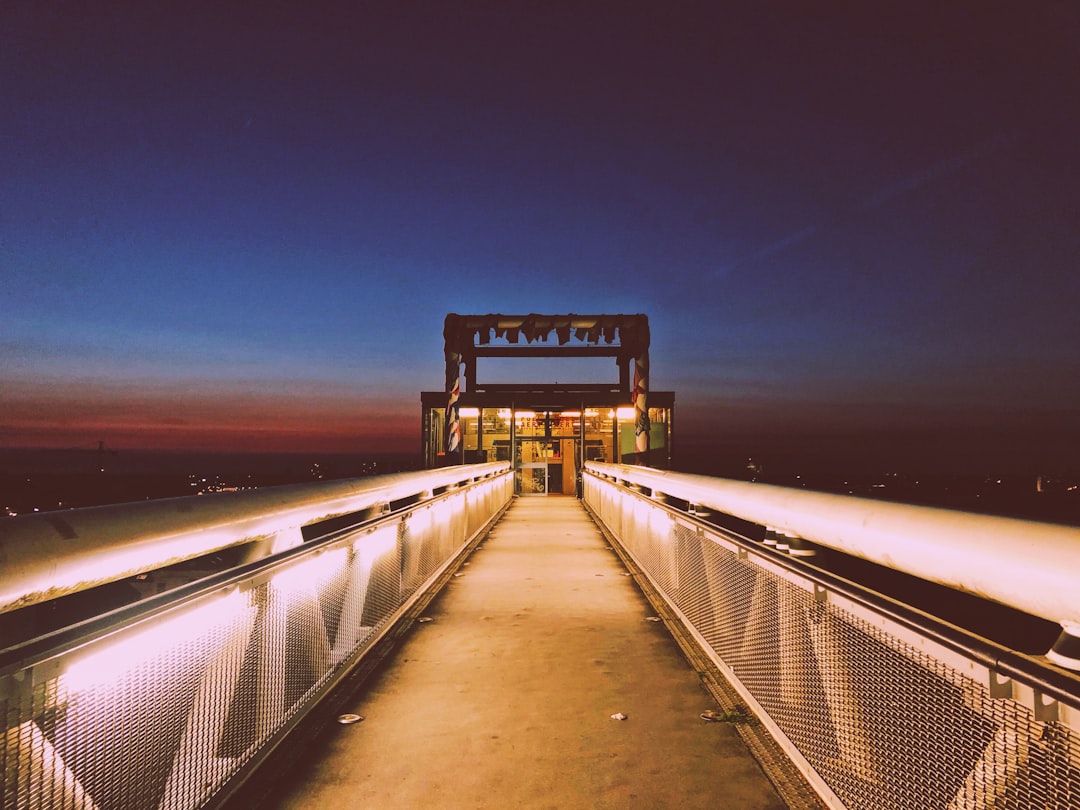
(531, 459)
(531, 479)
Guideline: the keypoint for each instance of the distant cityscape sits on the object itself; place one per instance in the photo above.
(42, 481)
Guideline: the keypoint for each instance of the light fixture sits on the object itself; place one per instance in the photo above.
(109, 659)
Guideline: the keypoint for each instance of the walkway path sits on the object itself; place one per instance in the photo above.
(504, 699)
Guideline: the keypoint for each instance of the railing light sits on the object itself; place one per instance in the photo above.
(443, 511)
(311, 574)
(109, 659)
(381, 541)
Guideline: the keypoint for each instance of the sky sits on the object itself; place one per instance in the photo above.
(855, 227)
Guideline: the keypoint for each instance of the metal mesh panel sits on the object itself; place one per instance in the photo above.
(162, 713)
(884, 724)
(107, 730)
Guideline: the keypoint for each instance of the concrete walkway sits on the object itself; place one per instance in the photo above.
(505, 699)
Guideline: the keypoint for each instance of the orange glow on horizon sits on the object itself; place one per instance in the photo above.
(226, 421)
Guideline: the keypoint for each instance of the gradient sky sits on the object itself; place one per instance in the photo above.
(855, 227)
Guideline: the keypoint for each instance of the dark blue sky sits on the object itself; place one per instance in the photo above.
(855, 227)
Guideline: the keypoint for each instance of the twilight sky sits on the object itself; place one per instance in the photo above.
(855, 227)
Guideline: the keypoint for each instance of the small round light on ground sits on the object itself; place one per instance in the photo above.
(349, 719)
(736, 716)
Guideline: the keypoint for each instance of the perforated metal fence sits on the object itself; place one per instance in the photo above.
(164, 708)
(875, 714)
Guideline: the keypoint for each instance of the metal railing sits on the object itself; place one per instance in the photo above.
(52, 554)
(172, 702)
(880, 706)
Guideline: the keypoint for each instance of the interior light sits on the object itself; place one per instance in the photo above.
(525, 414)
(625, 413)
(468, 411)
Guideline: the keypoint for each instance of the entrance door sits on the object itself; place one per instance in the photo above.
(531, 479)
(532, 457)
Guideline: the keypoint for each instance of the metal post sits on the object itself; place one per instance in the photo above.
(580, 460)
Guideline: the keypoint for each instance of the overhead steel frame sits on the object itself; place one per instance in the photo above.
(624, 337)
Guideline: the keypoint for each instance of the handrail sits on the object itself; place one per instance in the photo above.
(176, 700)
(1031, 566)
(51, 554)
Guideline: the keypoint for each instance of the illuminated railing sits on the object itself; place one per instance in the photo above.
(879, 705)
(171, 702)
(57, 553)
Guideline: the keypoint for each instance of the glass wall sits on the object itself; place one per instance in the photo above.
(434, 436)
(495, 426)
(563, 438)
(470, 433)
(659, 431)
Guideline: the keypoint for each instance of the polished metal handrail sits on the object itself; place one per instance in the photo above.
(52, 554)
(176, 700)
(1031, 566)
(877, 703)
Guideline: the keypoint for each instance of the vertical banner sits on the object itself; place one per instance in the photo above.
(453, 421)
(452, 353)
(639, 397)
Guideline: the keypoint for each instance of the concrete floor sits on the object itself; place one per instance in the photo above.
(505, 699)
